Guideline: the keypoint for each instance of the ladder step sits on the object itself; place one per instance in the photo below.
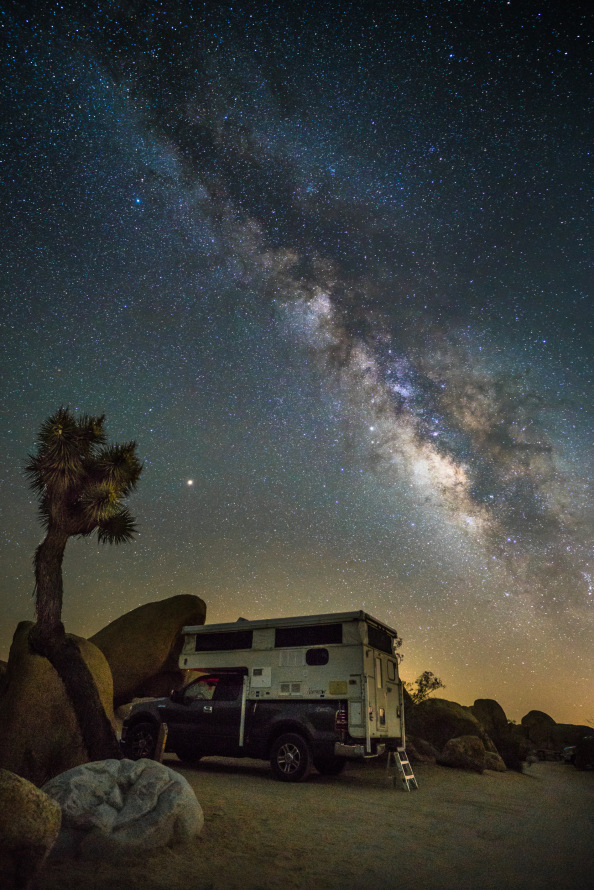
(405, 770)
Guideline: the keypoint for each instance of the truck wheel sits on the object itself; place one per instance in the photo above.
(329, 766)
(290, 758)
(141, 741)
(187, 755)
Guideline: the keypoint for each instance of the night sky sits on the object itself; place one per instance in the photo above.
(329, 265)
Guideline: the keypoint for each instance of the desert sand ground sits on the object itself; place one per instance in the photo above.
(459, 830)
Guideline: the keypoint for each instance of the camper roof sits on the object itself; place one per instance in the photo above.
(331, 618)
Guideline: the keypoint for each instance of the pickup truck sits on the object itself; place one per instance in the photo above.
(211, 716)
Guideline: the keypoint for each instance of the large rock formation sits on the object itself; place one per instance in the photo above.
(510, 743)
(495, 762)
(3, 670)
(438, 720)
(537, 726)
(492, 718)
(464, 752)
(420, 750)
(29, 825)
(122, 806)
(39, 734)
(143, 646)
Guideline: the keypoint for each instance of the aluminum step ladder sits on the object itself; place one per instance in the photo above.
(404, 770)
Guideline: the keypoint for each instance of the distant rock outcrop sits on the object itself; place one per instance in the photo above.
(563, 734)
(549, 737)
(142, 647)
(122, 806)
(39, 734)
(29, 825)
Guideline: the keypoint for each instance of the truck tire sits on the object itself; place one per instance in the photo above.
(141, 741)
(187, 755)
(329, 766)
(290, 758)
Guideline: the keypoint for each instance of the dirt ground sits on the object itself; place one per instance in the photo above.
(459, 830)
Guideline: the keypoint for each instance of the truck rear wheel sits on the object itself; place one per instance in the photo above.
(329, 766)
(290, 758)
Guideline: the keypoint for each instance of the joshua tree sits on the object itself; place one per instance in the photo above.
(80, 483)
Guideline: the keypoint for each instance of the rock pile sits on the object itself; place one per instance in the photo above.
(34, 699)
(446, 727)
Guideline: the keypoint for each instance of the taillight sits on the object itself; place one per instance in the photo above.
(341, 720)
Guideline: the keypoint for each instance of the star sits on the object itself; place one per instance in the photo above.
(335, 240)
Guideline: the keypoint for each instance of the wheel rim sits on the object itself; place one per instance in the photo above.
(143, 743)
(288, 758)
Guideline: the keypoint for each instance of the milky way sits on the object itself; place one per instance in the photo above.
(331, 265)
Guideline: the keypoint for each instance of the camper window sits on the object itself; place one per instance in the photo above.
(224, 641)
(378, 672)
(316, 656)
(308, 635)
(379, 639)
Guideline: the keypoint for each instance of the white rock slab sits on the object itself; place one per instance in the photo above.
(124, 806)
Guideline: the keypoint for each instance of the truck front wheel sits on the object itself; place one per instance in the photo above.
(290, 758)
(187, 754)
(141, 741)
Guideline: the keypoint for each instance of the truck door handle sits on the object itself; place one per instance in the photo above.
(208, 709)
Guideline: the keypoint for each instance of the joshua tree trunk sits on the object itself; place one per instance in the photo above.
(48, 638)
(48, 584)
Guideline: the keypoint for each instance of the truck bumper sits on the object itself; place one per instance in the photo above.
(356, 751)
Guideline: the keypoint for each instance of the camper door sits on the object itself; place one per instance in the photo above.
(383, 696)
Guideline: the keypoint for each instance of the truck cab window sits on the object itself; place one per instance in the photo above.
(228, 689)
(201, 690)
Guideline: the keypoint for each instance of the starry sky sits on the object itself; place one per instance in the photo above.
(330, 266)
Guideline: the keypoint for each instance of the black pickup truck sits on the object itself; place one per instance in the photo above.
(211, 716)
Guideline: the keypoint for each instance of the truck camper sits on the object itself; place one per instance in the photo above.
(310, 690)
